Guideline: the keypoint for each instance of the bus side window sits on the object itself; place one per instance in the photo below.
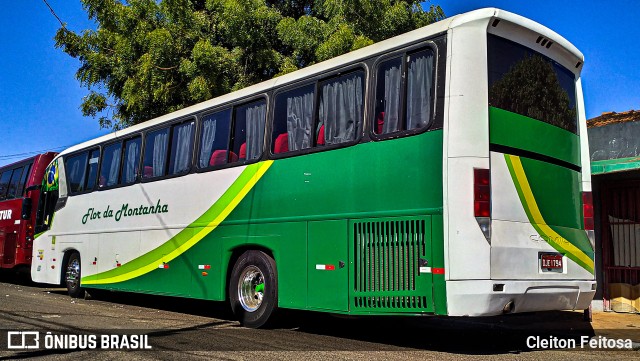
(248, 134)
(14, 183)
(181, 148)
(131, 160)
(214, 139)
(404, 96)
(76, 169)
(92, 175)
(23, 180)
(387, 112)
(155, 153)
(293, 120)
(419, 89)
(340, 109)
(110, 168)
(4, 183)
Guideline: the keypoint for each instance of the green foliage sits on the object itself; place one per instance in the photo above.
(146, 58)
(531, 88)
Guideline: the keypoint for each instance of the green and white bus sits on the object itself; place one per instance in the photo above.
(444, 171)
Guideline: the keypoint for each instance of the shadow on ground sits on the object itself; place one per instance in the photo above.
(314, 331)
(298, 330)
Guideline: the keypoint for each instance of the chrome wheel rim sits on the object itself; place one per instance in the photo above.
(251, 288)
(73, 273)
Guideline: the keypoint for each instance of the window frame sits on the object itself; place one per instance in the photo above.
(317, 80)
(123, 148)
(170, 125)
(272, 115)
(66, 171)
(557, 66)
(194, 138)
(198, 146)
(3, 195)
(88, 150)
(403, 53)
(97, 147)
(231, 106)
(25, 178)
(17, 183)
(103, 147)
(264, 134)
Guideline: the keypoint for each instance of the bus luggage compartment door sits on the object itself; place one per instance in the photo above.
(328, 273)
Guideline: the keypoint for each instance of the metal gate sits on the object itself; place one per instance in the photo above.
(620, 215)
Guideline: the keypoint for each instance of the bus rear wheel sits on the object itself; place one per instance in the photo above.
(253, 289)
(72, 276)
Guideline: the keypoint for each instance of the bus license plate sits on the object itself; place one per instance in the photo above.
(551, 261)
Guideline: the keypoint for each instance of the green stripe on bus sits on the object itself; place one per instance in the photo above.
(514, 130)
(185, 239)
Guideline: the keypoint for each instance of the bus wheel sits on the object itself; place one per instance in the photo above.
(72, 276)
(253, 288)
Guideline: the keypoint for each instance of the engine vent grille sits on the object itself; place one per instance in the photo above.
(387, 258)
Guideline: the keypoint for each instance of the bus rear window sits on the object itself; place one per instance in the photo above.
(525, 82)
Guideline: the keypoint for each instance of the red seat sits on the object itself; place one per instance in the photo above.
(321, 135)
(233, 157)
(148, 171)
(243, 152)
(220, 157)
(281, 145)
(380, 122)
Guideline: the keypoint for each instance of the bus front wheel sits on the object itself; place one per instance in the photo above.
(72, 276)
(253, 289)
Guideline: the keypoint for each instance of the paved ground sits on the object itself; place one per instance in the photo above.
(205, 330)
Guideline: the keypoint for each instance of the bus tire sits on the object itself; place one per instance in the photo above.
(253, 289)
(72, 276)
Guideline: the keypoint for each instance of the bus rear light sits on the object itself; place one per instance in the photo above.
(481, 193)
(482, 200)
(587, 212)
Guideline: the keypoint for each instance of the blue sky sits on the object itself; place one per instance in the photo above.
(40, 97)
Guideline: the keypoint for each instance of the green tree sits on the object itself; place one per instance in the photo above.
(146, 58)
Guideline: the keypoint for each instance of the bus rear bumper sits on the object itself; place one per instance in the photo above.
(496, 297)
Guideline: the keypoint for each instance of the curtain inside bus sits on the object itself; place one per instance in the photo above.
(419, 85)
(341, 108)
(418, 92)
(113, 171)
(392, 71)
(300, 119)
(159, 152)
(132, 158)
(256, 116)
(208, 137)
(183, 138)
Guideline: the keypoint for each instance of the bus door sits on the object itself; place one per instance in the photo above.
(8, 235)
(11, 182)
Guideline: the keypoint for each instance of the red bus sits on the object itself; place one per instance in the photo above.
(19, 191)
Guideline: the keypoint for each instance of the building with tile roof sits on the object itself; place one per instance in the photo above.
(614, 147)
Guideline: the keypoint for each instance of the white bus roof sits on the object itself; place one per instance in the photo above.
(327, 65)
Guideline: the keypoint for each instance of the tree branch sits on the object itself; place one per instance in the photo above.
(169, 68)
(54, 14)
